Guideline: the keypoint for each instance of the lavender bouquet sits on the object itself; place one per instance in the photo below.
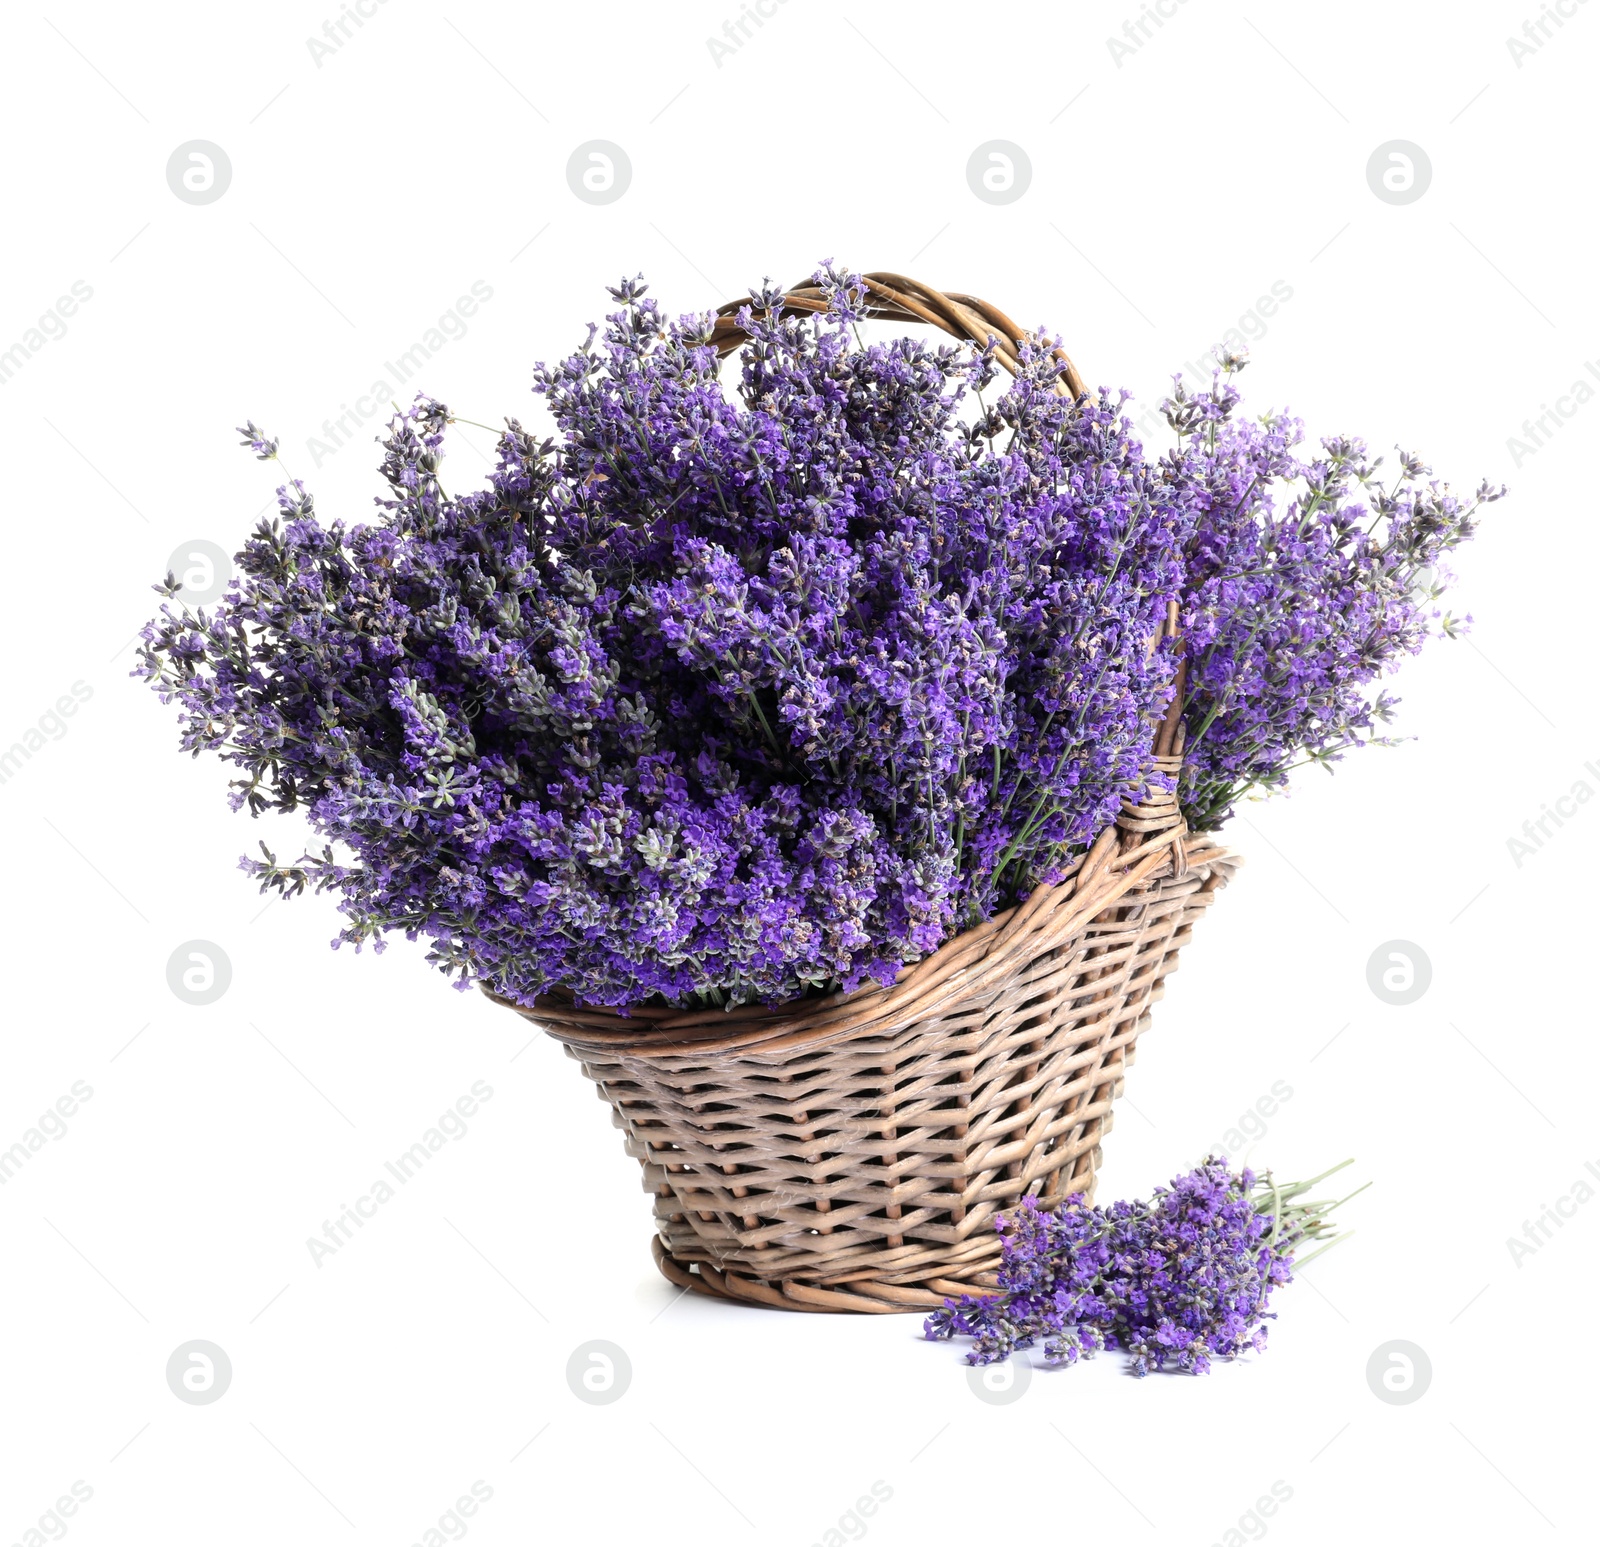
(731, 695)
(1177, 1281)
(1304, 582)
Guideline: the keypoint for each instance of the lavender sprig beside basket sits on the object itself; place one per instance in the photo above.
(1179, 1280)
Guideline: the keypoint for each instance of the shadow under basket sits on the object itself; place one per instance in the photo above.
(850, 1153)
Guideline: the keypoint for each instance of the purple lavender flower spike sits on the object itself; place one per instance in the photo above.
(748, 692)
(1176, 1282)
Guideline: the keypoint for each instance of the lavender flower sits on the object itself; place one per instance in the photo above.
(1304, 582)
(1177, 1281)
(744, 694)
(723, 697)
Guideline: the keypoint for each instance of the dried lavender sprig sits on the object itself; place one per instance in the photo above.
(1305, 580)
(1181, 1279)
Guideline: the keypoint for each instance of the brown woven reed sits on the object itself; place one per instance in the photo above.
(895, 298)
(850, 1153)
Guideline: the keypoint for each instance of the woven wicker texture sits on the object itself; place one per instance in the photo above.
(850, 1153)
(894, 298)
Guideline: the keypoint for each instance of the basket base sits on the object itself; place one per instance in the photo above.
(791, 1295)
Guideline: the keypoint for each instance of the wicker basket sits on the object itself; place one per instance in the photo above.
(850, 1153)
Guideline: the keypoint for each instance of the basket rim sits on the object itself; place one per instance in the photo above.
(1148, 841)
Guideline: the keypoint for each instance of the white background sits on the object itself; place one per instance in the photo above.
(1168, 193)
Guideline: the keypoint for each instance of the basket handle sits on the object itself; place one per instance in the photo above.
(895, 298)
